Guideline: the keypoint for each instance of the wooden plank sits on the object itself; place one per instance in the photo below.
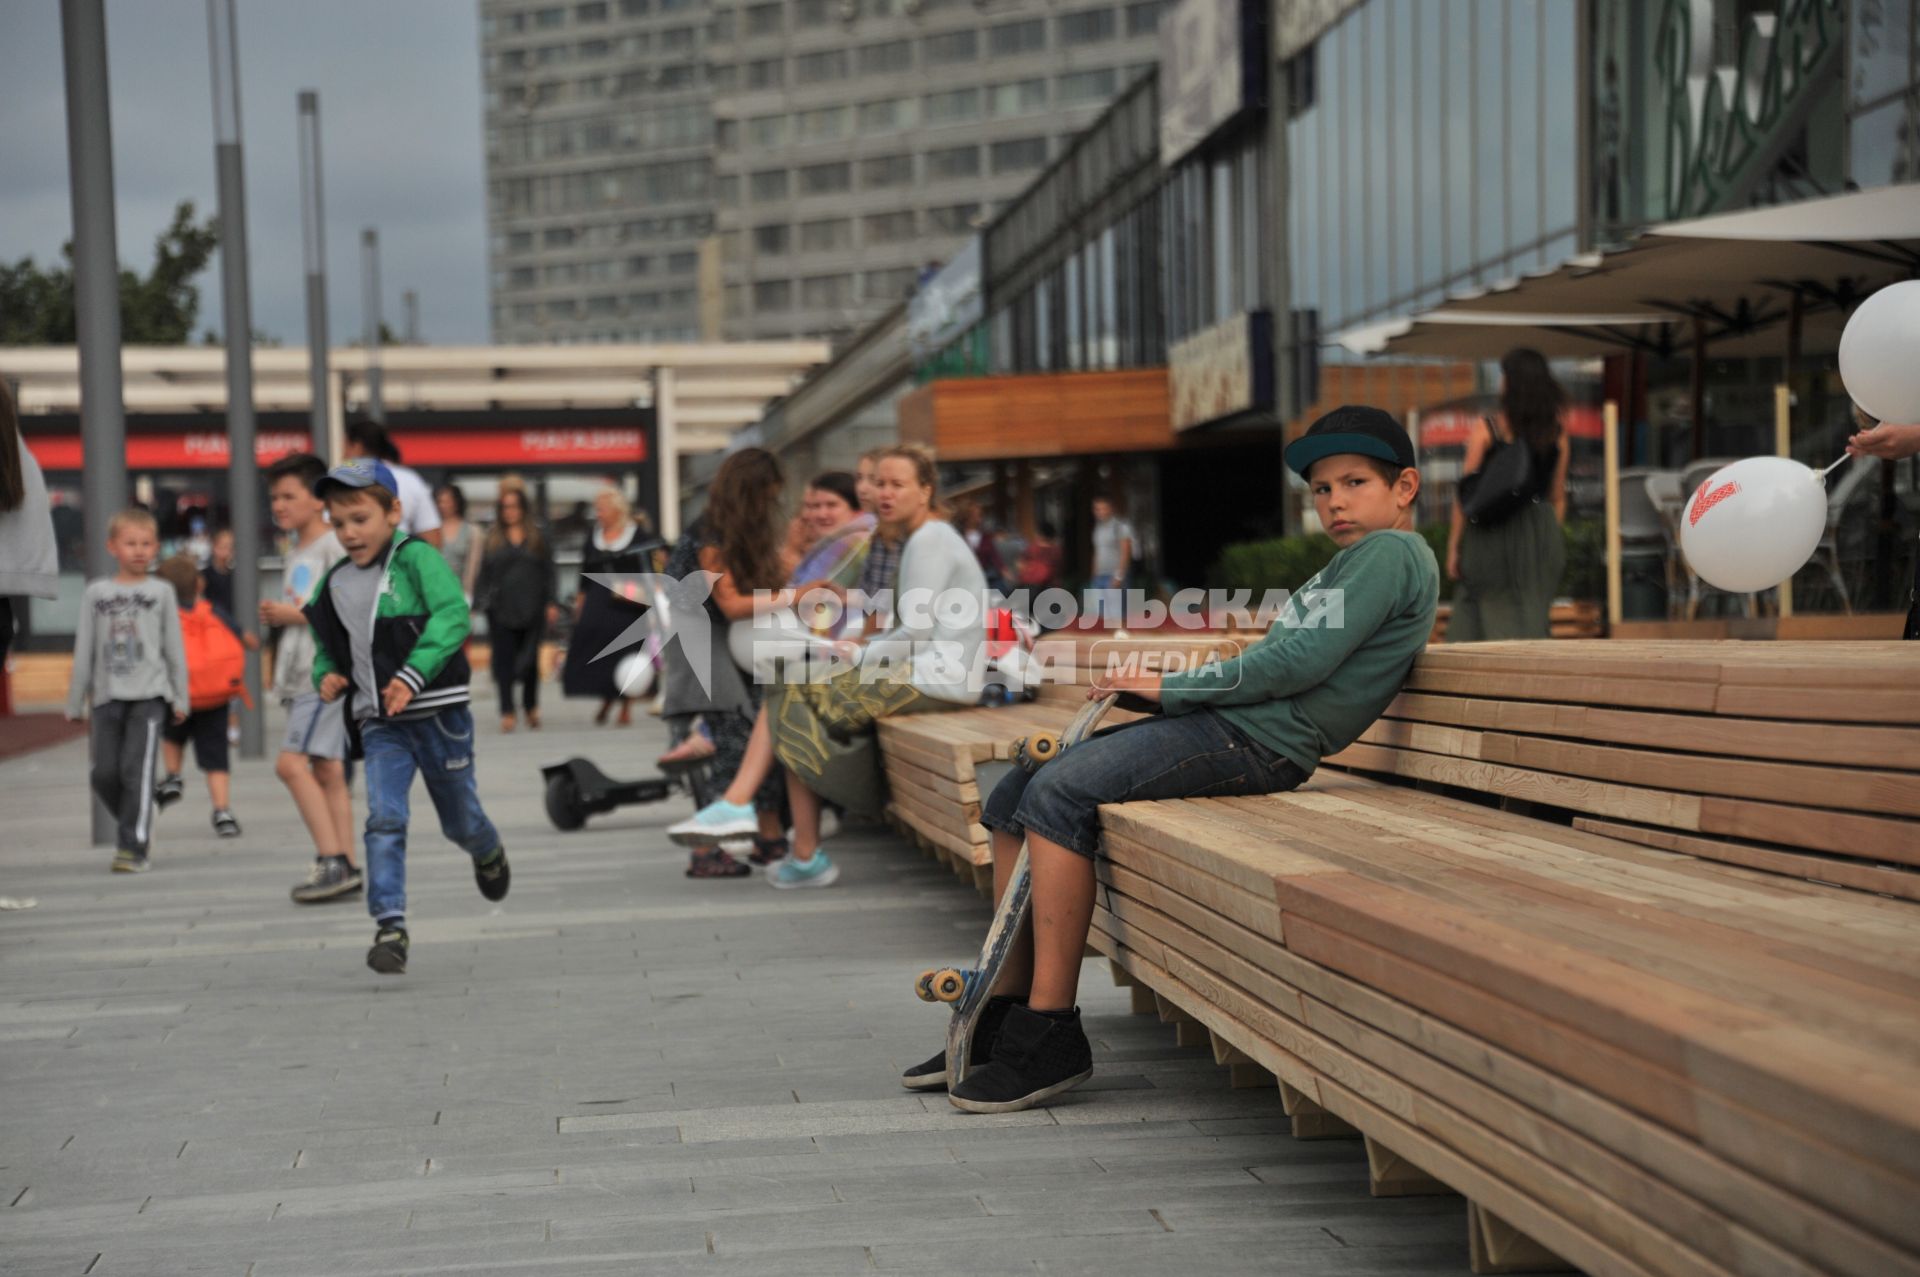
(1835, 870)
(1495, 1246)
(1391, 1175)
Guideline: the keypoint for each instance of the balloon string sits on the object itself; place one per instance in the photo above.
(1836, 465)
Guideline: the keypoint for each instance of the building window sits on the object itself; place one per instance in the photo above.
(766, 73)
(824, 125)
(721, 27)
(773, 240)
(548, 19)
(888, 285)
(1022, 97)
(953, 106)
(682, 263)
(726, 191)
(888, 116)
(1085, 86)
(520, 241)
(1143, 18)
(826, 291)
(773, 295)
(818, 68)
(953, 162)
(826, 236)
(951, 47)
(635, 8)
(522, 277)
(826, 179)
(676, 77)
(557, 237)
(883, 171)
(764, 19)
(1010, 38)
(638, 266)
(1019, 154)
(769, 185)
(812, 13)
(1089, 26)
(889, 228)
(884, 59)
(591, 49)
(678, 40)
(765, 132)
(954, 218)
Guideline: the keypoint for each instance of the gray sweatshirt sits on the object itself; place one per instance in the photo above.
(128, 647)
(28, 563)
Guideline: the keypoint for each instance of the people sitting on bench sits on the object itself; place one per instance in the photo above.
(1258, 723)
(933, 657)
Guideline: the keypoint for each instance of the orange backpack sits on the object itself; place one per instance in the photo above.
(216, 663)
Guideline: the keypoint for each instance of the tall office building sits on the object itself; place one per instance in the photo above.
(599, 167)
(860, 140)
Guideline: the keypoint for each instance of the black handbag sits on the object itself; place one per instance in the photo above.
(1504, 484)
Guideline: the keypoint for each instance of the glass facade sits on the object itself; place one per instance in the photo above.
(1432, 145)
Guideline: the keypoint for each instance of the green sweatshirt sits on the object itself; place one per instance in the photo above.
(1330, 664)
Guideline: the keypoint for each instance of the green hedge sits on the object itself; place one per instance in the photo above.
(1287, 563)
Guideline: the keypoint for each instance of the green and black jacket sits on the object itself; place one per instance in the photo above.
(420, 627)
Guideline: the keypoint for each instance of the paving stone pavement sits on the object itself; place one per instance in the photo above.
(616, 1070)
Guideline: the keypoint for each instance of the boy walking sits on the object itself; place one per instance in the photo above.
(388, 623)
(216, 665)
(312, 763)
(129, 664)
(1257, 724)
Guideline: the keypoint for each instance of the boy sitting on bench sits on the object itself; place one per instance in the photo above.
(1256, 724)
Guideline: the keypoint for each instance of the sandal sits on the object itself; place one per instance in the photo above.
(507, 724)
(766, 851)
(711, 862)
(606, 709)
(626, 713)
(533, 720)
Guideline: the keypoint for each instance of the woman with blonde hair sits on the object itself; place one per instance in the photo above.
(616, 547)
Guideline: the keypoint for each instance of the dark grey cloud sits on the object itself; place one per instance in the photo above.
(399, 84)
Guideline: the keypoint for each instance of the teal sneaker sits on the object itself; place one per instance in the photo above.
(717, 820)
(818, 872)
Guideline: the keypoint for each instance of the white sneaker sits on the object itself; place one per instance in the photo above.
(791, 873)
(717, 820)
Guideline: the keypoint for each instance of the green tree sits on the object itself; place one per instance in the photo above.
(158, 309)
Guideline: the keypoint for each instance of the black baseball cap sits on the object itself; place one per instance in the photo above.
(1351, 428)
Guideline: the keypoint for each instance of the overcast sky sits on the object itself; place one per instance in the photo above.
(399, 84)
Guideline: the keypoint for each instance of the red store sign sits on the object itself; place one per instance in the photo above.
(207, 450)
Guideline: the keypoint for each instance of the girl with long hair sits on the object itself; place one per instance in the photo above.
(516, 591)
(1508, 572)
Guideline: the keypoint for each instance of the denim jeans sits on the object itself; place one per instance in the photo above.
(1197, 755)
(440, 749)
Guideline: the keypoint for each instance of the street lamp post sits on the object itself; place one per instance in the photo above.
(243, 478)
(96, 293)
(313, 248)
(370, 317)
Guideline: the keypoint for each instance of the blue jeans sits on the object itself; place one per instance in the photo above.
(440, 749)
(1196, 755)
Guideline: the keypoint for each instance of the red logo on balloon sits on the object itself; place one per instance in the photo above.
(1707, 499)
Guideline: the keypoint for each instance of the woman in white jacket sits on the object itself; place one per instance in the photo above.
(29, 563)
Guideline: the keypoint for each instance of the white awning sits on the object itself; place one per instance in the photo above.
(1736, 275)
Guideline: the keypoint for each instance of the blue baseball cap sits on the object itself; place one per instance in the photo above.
(362, 473)
(1368, 432)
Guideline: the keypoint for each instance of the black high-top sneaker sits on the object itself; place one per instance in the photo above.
(1038, 1055)
(388, 955)
(931, 1075)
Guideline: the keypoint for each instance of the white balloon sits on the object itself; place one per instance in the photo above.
(1754, 523)
(634, 674)
(1880, 353)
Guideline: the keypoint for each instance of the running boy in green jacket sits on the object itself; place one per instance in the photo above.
(1257, 724)
(388, 624)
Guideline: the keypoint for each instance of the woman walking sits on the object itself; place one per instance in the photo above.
(515, 590)
(459, 543)
(29, 563)
(1508, 562)
(617, 546)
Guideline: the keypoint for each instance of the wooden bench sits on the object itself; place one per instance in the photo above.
(1686, 1058)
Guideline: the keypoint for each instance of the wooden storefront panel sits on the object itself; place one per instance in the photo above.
(1043, 415)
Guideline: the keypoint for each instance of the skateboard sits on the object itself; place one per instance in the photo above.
(966, 991)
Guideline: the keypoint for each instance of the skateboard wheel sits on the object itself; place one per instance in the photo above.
(948, 985)
(1043, 747)
(923, 986)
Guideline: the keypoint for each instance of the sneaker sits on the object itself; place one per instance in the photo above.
(168, 791)
(492, 875)
(224, 824)
(389, 953)
(131, 862)
(330, 879)
(1038, 1055)
(717, 820)
(931, 1075)
(818, 872)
